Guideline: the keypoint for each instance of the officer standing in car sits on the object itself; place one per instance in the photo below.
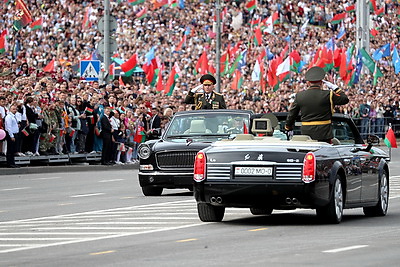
(209, 99)
(316, 106)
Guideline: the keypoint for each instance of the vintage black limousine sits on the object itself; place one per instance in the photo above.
(168, 162)
(264, 173)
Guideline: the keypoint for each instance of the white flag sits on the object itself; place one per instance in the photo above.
(255, 75)
(283, 67)
(304, 26)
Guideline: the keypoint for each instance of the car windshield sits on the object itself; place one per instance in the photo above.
(209, 126)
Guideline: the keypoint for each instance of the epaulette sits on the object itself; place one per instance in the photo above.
(217, 93)
(198, 94)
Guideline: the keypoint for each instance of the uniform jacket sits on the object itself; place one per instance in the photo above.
(199, 100)
(316, 108)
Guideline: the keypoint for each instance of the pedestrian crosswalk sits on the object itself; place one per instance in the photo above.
(112, 223)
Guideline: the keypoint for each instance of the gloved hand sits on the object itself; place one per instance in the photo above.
(331, 86)
(194, 90)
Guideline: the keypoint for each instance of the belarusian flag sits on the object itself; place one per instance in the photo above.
(37, 24)
(169, 87)
(183, 41)
(141, 14)
(257, 36)
(237, 80)
(160, 85)
(235, 63)
(129, 65)
(390, 139)
(202, 64)
(2, 43)
(140, 135)
(159, 3)
(374, 32)
(173, 3)
(86, 23)
(338, 18)
(351, 8)
(135, 2)
(111, 71)
(252, 4)
(22, 16)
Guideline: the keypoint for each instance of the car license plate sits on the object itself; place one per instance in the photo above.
(253, 171)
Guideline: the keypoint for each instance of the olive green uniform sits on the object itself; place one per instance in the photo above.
(316, 108)
(216, 100)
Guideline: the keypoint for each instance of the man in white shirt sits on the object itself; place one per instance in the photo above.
(12, 129)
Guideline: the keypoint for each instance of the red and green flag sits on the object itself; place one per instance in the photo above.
(390, 139)
(37, 24)
(169, 87)
(173, 3)
(3, 43)
(338, 18)
(129, 65)
(22, 16)
(140, 135)
(258, 36)
(252, 4)
(135, 2)
(111, 71)
(142, 14)
(351, 8)
(237, 80)
(86, 23)
(202, 64)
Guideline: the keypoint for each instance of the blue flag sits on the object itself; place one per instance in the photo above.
(330, 44)
(269, 54)
(358, 68)
(396, 61)
(341, 34)
(181, 4)
(242, 62)
(383, 51)
(150, 55)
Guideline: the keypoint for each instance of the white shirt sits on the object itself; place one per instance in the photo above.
(11, 124)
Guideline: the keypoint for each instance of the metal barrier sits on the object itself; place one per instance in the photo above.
(377, 126)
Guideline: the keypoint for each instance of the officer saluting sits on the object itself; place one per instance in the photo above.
(316, 106)
(209, 99)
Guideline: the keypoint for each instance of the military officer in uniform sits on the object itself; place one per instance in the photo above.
(209, 99)
(316, 106)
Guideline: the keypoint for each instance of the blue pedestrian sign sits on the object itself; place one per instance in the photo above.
(90, 69)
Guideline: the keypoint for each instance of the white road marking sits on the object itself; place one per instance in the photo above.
(344, 249)
(14, 189)
(88, 195)
(45, 178)
(113, 180)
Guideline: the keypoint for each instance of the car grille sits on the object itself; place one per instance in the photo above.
(282, 171)
(176, 159)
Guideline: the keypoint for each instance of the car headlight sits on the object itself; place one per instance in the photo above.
(144, 151)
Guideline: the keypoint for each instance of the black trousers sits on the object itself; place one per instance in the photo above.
(107, 152)
(11, 149)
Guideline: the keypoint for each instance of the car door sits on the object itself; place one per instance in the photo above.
(351, 161)
(369, 166)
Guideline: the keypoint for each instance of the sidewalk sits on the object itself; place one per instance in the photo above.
(66, 168)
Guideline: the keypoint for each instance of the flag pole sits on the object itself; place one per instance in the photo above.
(218, 44)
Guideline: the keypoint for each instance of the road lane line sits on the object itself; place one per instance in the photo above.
(112, 180)
(186, 240)
(88, 195)
(36, 238)
(102, 252)
(102, 238)
(344, 249)
(44, 178)
(127, 197)
(259, 229)
(66, 204)
(15, 188)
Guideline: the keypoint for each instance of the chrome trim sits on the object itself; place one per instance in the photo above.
(163, 173)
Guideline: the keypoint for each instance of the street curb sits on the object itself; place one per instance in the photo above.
(65, 168)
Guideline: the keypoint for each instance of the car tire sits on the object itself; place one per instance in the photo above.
(210, 213)
(261, 211)
(152, 191)
(383, 198)
(333, 212)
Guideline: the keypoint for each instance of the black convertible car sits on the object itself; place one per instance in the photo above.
(264, 173)
(168, 162)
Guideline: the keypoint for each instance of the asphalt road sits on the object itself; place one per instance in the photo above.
(100, 218)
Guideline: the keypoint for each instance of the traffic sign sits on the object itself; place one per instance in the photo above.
(113, 47)
(113, 25)
(90, 69)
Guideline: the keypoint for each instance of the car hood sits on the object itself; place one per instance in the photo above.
(164, 145)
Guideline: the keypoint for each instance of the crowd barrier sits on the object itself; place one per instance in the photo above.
(378, 127)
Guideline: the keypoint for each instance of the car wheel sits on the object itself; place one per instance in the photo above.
(209, 213)
(261, 211)
(333, 212)
(152, 191)
(383, 198)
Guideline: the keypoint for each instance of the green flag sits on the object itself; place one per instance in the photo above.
(370, 64)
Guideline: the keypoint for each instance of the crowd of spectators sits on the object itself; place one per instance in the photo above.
(66, 109)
